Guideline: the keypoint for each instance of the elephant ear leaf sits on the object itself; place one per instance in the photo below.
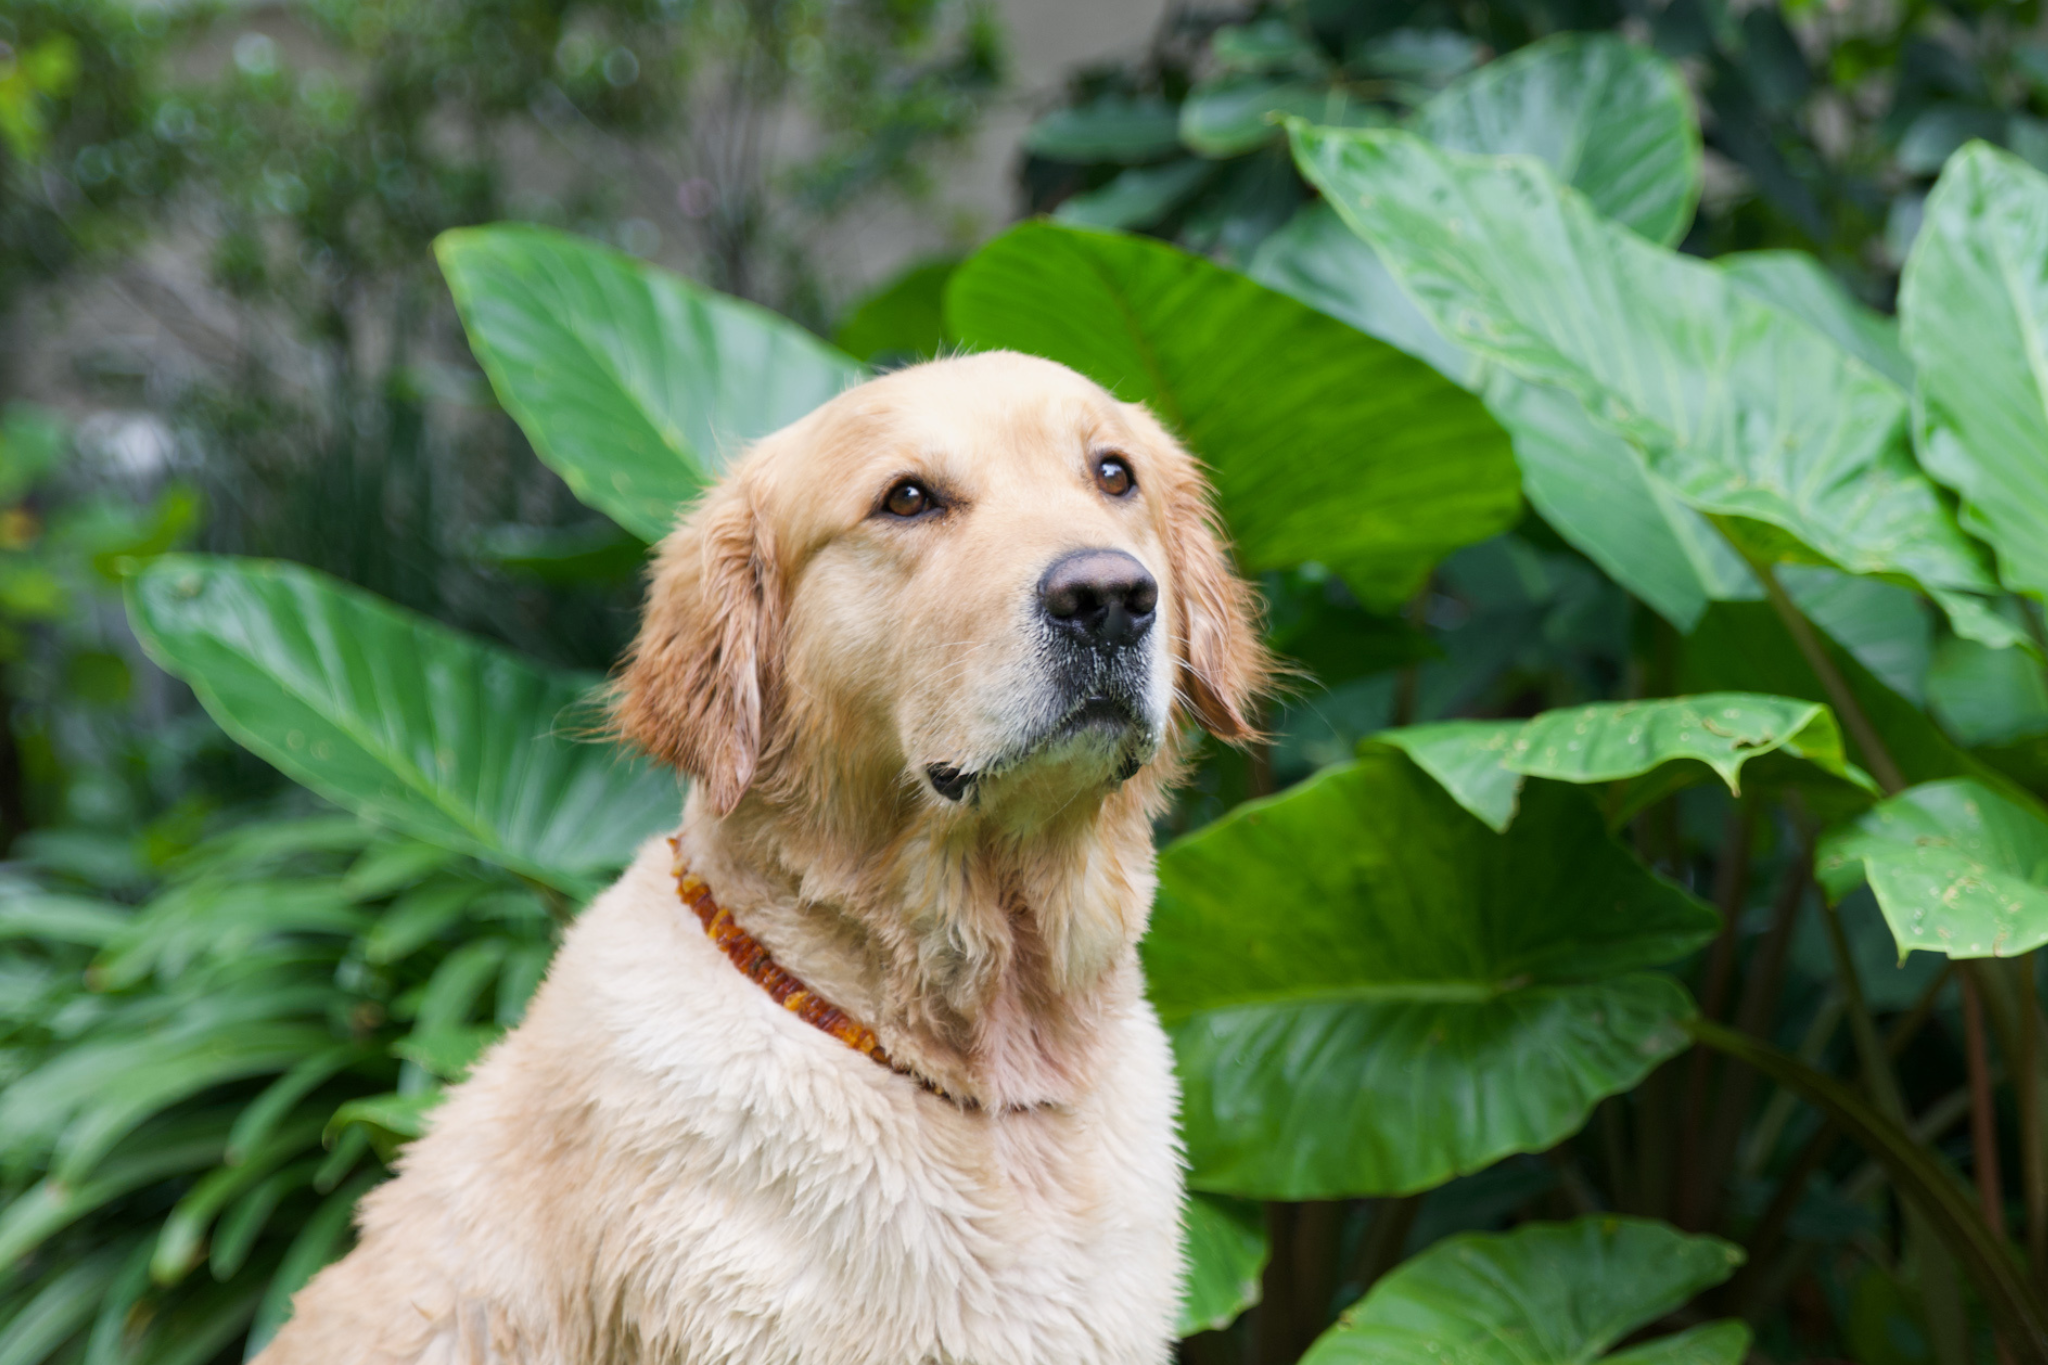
(400, 719)
(1369, 991)
(1652, 746)
(1544, 1294)
(1227, 1250)
(632, 383)
(1748, 415)
(1973, 303)
(1958, 868)
(1611, 117)
(1405, 465)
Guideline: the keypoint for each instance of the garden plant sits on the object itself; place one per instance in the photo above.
(1625, 942)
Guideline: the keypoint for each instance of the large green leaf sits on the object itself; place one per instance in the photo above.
(1370, 991)
(1483, 763)
(1800, 285)
(1586, 482)
(1974, 306)
(1590, 486)
(632, 383)
(390, 715)
(1544, 1294)
(1324, 444)
(1613, 118)
(1226, 1253)
(1743, 411)
(1958, 868)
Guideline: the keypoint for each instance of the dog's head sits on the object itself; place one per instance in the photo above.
(981, 579)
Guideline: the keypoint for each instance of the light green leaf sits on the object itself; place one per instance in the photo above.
(632, 383)
(1370, 991)
(1742, 411)
(1405, 466)
(1796, 283)
(1316, 259)
(1958, 868)
(1589, 484)
(1226, 1254)
(1613, 118)
(390, 715)
(1974, 306)
(1544, 1294)
(1483, 763)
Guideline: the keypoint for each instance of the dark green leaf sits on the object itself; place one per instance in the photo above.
(1370, 991)
(1226, 1253)
(1544, 1294)
(1137, 198)
(1111, 129)
(1406, 465)
(1235, 114)
(902, 321)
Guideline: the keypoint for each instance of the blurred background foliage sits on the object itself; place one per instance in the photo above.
(252, 194)
(1825, 123)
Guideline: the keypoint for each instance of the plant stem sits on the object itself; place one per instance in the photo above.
(1924, 1183)
(1887, 772)
(1755, 1016)
(1983, 1117)
(1379, 1250)
(1731, 884)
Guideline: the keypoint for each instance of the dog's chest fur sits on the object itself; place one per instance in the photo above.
(662, 1166)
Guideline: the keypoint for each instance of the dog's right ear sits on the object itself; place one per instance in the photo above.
(698, 690)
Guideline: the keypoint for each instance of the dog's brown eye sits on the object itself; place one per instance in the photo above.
(907, 499)
(1113, 476)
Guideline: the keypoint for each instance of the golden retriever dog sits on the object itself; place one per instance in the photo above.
(857, 1070)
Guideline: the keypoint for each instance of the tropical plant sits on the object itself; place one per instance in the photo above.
(1641, 889)
(1826, 123)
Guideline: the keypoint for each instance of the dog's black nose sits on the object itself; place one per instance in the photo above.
(1101, 597)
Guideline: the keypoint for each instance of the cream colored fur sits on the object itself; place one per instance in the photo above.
(662, 1166)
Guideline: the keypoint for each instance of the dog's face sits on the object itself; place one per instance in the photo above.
(982, 578)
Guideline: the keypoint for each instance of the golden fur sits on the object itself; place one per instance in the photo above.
(660, 1165)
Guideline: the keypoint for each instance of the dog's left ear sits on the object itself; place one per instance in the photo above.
(1224, 666)
(699, 687)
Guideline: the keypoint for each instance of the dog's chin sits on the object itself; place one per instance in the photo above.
(1099, 743)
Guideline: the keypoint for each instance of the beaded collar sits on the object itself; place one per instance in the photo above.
(746, 953)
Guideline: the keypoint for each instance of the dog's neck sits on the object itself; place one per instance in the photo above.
(988, 961)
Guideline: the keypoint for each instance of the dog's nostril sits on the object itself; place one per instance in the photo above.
(1103, 596)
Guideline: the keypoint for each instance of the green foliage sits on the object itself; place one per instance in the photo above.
(1646, 749)
(463, 745)
(1544, 1293)
(1437, 960)
(1975, 315)
(633, 384)
(1371, 992)
(1409, 467)
(1958, 868)
(170, 1121)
